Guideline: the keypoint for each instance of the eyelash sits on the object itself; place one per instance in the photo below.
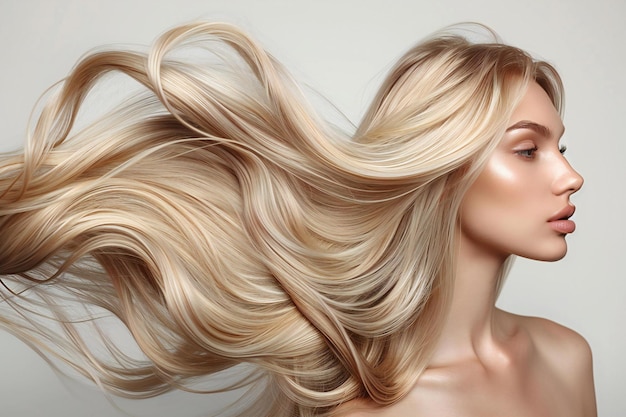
(529, 153)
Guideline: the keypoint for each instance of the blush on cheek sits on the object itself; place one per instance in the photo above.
(496, 213)
(500, 171)
(498, 184)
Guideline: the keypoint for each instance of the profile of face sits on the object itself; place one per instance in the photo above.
(520, 203)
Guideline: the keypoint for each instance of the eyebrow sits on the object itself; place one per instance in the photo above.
(536, 127)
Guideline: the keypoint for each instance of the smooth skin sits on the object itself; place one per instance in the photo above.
(488, 362)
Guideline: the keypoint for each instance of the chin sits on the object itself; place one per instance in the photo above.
(552, 254)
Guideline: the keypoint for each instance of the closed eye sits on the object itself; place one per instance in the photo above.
(562, 149)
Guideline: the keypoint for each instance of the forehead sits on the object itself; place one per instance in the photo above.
(536, 107)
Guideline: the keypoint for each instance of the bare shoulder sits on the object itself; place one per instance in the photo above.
(566, 353)
(552, 360)
(559, 344)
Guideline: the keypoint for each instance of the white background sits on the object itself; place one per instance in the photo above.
(342, 48)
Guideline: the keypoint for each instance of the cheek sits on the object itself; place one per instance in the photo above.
(499, 189)
(495, 206)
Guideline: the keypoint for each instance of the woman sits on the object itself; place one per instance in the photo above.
(487, 361)
(224, 223)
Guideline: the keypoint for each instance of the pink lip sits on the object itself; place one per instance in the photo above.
(560, 221)
(563, 214)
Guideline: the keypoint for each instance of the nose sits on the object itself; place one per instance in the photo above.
(569, 180)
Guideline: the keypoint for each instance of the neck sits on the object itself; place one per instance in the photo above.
(471, 329)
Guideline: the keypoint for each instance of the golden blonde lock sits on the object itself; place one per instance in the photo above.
(224, 222)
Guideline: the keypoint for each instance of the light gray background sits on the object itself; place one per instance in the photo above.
(342, 48)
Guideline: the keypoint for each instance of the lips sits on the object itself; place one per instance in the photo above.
(563, 214)
(560, 221)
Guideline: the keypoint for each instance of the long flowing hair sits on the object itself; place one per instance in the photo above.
(224, 222)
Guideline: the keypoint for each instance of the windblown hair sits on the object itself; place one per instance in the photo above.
(224, 222)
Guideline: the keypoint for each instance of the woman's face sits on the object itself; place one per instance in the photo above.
(520, 203)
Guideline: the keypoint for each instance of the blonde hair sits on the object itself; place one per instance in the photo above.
(223, 222)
